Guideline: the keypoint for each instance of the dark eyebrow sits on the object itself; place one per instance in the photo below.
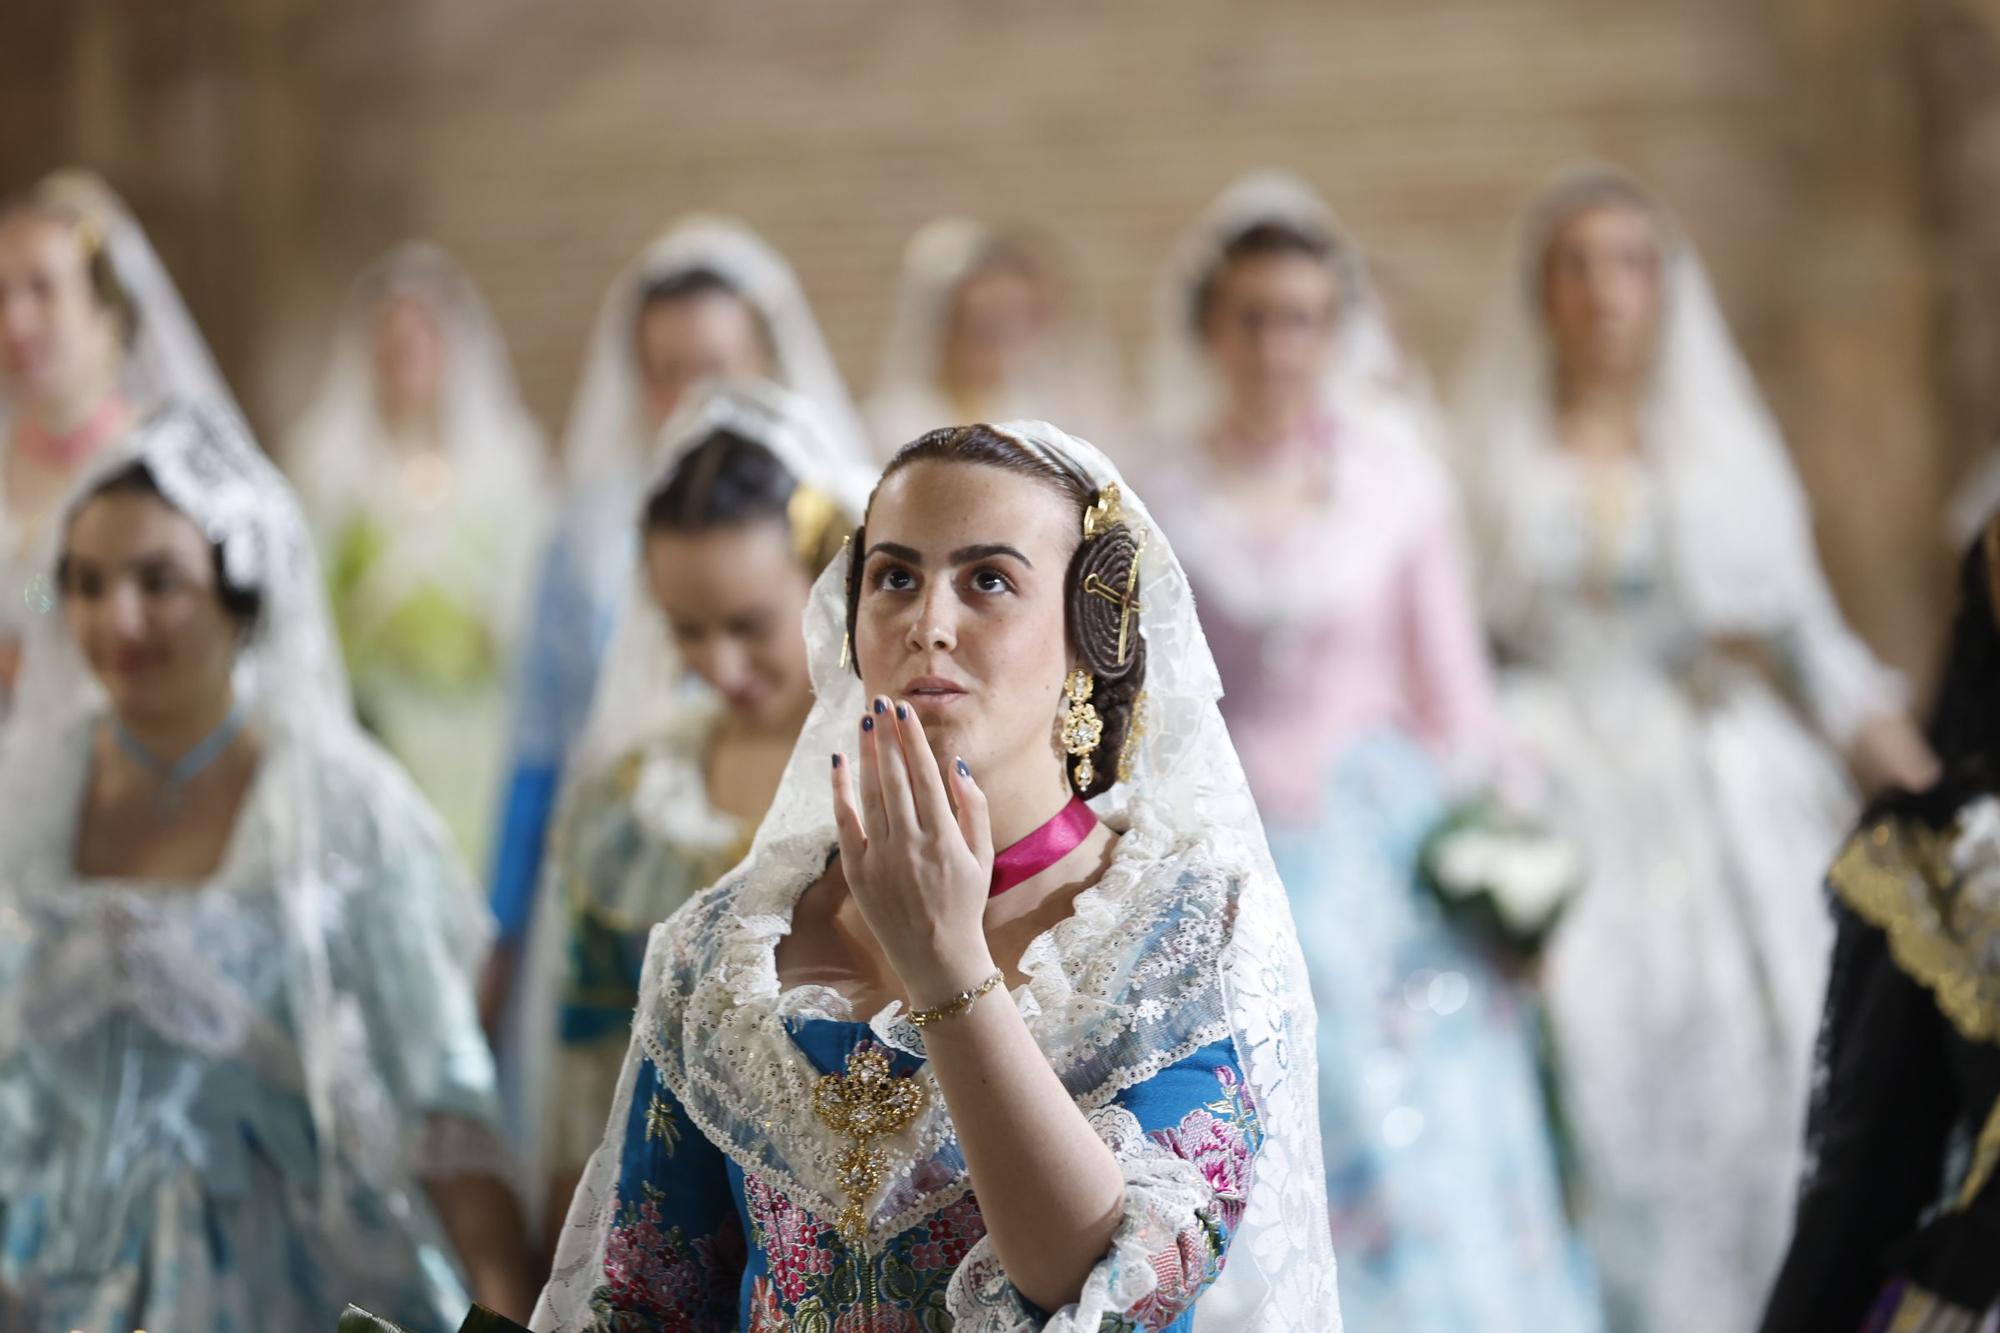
(907, 555)
(144, 560)
(964, 555)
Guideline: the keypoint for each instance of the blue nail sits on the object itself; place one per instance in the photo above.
(902, 713)
(868, 724)
(881, 706)
(963, 771)
(836, 759)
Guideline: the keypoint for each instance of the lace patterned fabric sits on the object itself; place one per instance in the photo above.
(160, 1155)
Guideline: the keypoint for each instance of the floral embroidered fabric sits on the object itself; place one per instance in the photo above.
(699, 1244)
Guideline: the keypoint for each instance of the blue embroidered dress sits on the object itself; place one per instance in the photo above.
(717, 1192)
(700, 1243)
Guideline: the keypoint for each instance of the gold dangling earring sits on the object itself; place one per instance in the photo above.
(1082, 728)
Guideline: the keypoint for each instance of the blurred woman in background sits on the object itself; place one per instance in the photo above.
(242, 1080)
(92, 334)
(1294, 467)
(698, 707)
(707, 299)
(422, 475)
(1677, 661)
(989, 325)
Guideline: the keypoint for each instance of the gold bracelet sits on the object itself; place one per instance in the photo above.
(957, 1004)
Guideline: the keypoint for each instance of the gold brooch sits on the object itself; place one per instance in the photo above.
(865, 1104)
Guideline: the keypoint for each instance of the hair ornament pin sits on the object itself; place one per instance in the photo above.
(1107, 511)
(847, 636)
(810, 513)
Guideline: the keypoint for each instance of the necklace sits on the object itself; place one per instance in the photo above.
(175, 775)
(66, 451)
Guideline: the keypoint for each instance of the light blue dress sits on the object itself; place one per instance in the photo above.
(1441, 1172)
(163, 1165)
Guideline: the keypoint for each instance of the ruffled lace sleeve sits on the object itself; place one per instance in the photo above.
(1188, 1141)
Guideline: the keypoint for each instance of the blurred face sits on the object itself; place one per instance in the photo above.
(961, 611)
(140, 600)
(1601, 292)
(58, 342)
(996, 316)
(734, 599)
(1271, 330)
(409, 358)
(692, 338)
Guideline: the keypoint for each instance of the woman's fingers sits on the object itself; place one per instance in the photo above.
(847, 817)
(868, 781)
(969, 807)
(898, 809)
(927, 793)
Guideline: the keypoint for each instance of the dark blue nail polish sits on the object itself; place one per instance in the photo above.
(902, 713)
(963, 771)
(868, 724)
(881, 706)
(836, 759)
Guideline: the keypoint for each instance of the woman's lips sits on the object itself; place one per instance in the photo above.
(933, 692)
(744, 701)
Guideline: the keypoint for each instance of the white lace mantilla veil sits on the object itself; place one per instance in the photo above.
(289, 675)
(644, 690)
(1386, 474)
(1740, 540)
(1075, 369)
(605, 440)
(1187, 806)
(338, 452)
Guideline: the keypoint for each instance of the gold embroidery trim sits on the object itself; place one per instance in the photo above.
(865, 1104)
(1897, 879)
